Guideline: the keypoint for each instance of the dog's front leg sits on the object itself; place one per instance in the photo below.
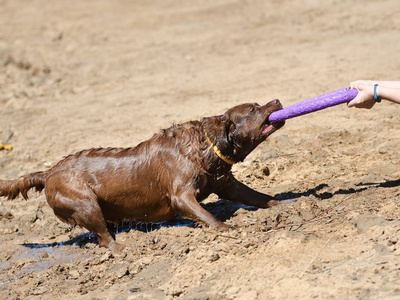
(186, 205)
(234, 190)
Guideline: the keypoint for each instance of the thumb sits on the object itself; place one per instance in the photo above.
(353, 102)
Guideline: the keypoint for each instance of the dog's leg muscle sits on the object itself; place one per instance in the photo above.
(186, 205)
(76, 203)
(236, 191)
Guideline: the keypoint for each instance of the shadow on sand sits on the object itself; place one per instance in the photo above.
(222, 209)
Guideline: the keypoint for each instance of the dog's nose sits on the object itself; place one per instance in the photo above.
(277, 103)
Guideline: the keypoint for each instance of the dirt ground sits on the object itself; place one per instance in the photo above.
(83, 74)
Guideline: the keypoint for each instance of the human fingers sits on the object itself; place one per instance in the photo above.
(357, 104)
(362, 100)
(353, 102)
(361, 84)
(353, 84)
(366, 105)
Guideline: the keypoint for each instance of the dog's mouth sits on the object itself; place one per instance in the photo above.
(268, 128)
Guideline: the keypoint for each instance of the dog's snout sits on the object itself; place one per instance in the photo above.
(277, 103)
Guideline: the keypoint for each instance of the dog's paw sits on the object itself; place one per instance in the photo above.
(222, 227)
(279, 202)
(271, 203)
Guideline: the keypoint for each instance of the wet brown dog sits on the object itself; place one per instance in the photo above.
(166, 176)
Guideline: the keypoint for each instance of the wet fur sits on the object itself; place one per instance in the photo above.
(159, 179)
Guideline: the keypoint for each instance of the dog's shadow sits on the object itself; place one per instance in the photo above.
(89, 238)
(222, 209)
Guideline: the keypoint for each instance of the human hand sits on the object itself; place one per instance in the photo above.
(365, 96)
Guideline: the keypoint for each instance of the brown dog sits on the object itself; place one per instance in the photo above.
(166, 176)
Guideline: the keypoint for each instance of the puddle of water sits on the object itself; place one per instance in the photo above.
(34, 260)
(36, 257)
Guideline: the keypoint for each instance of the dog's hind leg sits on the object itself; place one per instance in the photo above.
(75, 203)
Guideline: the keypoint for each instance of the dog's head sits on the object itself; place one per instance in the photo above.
(242, 128)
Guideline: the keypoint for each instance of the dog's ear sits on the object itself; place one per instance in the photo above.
(215, 127)
(230, 131)
(221, 130)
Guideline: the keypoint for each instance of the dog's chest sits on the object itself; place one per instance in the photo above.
(208, 184)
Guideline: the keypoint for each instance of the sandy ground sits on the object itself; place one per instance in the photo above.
(83, 74)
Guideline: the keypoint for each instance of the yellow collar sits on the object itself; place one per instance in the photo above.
(216, 150)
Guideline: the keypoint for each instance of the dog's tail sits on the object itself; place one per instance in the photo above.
(21, 185)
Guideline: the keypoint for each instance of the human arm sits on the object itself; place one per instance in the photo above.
(387, 90)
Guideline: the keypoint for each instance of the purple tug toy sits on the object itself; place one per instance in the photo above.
(313, 104)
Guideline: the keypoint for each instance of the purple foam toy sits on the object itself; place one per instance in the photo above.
(313, 104)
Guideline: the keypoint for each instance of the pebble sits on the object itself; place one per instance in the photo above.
(106, 257)
(266, 171)
(74, 274)
(212, 256)
(146, 261)
(365, 222)
(120, 270)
